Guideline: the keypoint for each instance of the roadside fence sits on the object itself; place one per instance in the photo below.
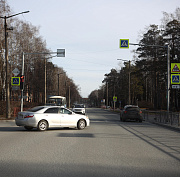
(163, 117)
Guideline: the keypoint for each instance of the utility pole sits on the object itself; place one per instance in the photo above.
(168, 77)
(107, 96)
(69, 97)
(8, 107)
(129, 82)
(45, 80)
(58, 83)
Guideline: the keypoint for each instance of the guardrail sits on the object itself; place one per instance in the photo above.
(171, 118)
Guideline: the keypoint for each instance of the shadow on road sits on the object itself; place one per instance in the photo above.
(79, 135)
(157, 140)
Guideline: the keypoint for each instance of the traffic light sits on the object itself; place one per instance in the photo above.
(22, 82)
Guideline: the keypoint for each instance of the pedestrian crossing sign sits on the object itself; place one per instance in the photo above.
(175, 78)
(175, 67)
(15, 81)
(124, 43)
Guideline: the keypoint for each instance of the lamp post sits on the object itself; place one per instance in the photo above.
(8, 109)
(129, 100)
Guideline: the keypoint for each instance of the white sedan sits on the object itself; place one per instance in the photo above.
(79, 108)
(43, 117)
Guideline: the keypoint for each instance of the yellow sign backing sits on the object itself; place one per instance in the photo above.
(124, 43)
(175, 78)
(175, 67)
(15, 81)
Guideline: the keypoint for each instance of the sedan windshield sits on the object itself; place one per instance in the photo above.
(79, 106)
(132, 109)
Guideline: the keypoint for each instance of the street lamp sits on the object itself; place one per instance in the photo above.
(7, 67)
(129, 100)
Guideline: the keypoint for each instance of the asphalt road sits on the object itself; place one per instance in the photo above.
(107, 148)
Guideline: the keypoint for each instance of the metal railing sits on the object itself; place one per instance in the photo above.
(171, 118)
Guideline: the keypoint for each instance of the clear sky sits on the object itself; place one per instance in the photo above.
(90, 30)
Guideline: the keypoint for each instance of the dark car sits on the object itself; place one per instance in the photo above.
(131, 112)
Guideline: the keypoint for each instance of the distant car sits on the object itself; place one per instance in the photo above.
(43, 117)
(79, 109)
(131, 112)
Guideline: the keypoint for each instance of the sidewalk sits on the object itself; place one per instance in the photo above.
(4, 118)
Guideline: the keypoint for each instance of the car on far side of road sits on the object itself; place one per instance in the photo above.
(43, 117)
(79, 109)
(131, 112)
